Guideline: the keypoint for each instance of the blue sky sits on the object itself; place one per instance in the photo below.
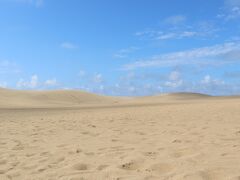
(122, 47)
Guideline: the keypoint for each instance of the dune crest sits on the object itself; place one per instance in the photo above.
(54, 98)
(75, 98)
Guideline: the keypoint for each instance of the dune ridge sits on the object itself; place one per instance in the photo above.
(52, 98)
(68, 98)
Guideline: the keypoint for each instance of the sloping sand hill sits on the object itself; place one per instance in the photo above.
(71, 135)
(60, 98)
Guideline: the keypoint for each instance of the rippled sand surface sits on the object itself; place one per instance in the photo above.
(149, 138)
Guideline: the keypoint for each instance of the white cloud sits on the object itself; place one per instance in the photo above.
(32, 83)
(232, 3)
(204, 55)
(8, 67)
(211, 85)
(123, 53)
(175, 20)
(199, 30)
(94, 83)
(132, 89)
(180, 35)
(188, 34)
(166, 36)
(149, 33)
(174, 84)
(21, 83)
(3, 84)
(141, 83)
(174, 80)
(81, 73)
(51, 82)
(133, 85)
(231, 10)
(35, 83)
(101, 87)
(174, 76)
(233, 13)
(208, 80)
(177, 35)
(68, 45)
(98, 78)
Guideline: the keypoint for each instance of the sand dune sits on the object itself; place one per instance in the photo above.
(70, 98)
(60, 98)
(81, 136)
(185, 95)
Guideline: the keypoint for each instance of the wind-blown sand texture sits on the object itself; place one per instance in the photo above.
(70, 135)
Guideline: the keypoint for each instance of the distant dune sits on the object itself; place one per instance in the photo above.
(186, 95)
(10, 98)
(56, 98)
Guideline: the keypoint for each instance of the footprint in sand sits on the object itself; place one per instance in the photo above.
(140, 133)
(30, 154)
(237, 132)
(93, 126)
(18, 147)
(13, 175)
(176, 141)
(132, 165)
(183, 153)
(30, 167)
(3, 143)
(78, 178)
(58, 160)
(116, 147)
(61, 145)
(81, 167)
(78, 150)
(85, 133)
(151, 178)
(41, 169)
(2, 171)
(160, 168)
(150, 154)
(102, 167)
(204, 175)
(45, 153)
(3, 162)
(129, 166)
(114, 140)
(89, 153)
(14, 164)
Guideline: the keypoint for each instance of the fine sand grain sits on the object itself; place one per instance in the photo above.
(67, 135)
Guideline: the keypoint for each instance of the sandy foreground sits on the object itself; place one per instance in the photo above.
(151, 138)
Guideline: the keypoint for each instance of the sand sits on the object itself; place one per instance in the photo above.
(79, 136)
